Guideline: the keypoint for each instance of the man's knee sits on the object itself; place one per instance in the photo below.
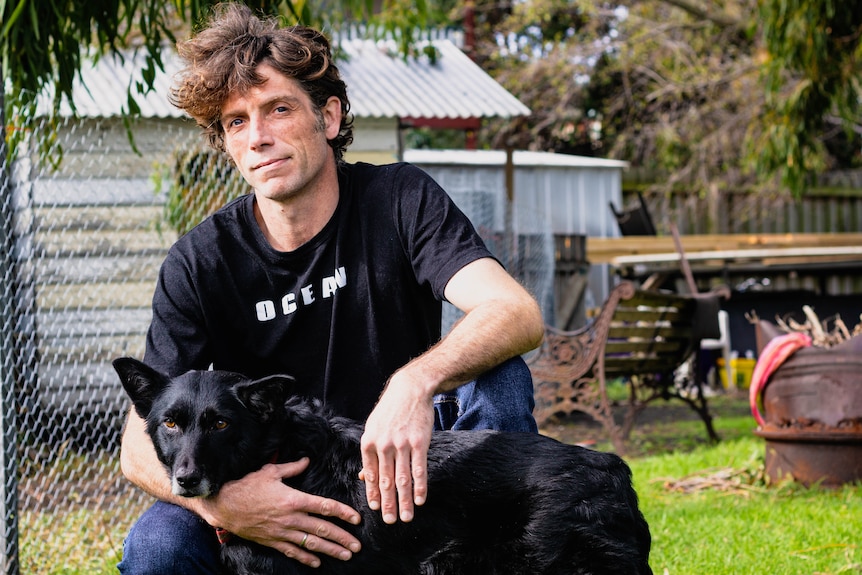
(167, 540)
(501, 398)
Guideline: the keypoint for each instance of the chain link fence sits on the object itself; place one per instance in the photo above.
(87, 219)
(84, 233)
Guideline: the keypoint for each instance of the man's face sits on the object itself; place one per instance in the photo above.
(277, 137)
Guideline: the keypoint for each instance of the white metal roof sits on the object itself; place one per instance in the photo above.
(380, 84)
(498, 158)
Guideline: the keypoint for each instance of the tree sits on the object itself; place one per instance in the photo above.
(813, 86)
(688, 91)
(541, 51)
(711, 95)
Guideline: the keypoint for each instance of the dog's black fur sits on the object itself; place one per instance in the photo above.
(498, 503)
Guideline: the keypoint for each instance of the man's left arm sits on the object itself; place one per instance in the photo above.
(501, 320)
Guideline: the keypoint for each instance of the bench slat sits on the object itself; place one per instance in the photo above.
(629, 346)
(658, 299)
(649, 332)
(638, 365)
(651, 315)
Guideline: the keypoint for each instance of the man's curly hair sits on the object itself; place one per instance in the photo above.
(222, 60)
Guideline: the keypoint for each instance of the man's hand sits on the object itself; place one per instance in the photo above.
(395, 449)
(260, 507)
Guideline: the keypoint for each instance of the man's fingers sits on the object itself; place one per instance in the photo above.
(332, 508)
(420, 477)
(398, 482)
(317, 505)
(386, 485)
(312, 536)
(307, 545)
(404, 484)
(291, 468)
(369, 476)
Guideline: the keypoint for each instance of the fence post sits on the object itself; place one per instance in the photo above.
(8, 323)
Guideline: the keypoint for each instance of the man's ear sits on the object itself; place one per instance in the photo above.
(332, 115)
(141, 382)
(266, 395)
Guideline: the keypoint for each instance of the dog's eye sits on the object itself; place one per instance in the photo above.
(170, 423)
(220, 424)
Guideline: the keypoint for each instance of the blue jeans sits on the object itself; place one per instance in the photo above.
(170, 540)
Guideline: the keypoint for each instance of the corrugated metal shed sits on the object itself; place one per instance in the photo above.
(568, 194)
(381, 84)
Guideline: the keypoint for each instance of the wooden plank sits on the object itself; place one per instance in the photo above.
(70, 243)
(82, 387)
(142, 217)
(604, 250)
(656, 299)
(648, 332)
(95, 296)
(92, 348)
(650, 315)
(88, 269)
(629, 346)
(53, 192)
(846, 253)
(96, 322)
(616, 366)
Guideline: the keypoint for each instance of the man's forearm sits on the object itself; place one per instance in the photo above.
(484, 338)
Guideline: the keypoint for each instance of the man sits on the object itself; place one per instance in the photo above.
(330, 272)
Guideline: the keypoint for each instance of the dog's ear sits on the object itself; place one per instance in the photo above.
(264, 396)
(141, 382)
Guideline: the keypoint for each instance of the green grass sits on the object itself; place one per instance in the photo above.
(710, 511)
(81, 542)
(729, 521)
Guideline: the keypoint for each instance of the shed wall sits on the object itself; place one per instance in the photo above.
(548, 195)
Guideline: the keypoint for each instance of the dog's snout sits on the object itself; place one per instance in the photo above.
(188, 479)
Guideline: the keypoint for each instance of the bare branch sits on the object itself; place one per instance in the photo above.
(706, 13)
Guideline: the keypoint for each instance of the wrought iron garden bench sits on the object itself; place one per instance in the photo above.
(640, 336)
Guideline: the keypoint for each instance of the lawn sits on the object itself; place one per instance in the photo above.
(710, 511)
(709, 507)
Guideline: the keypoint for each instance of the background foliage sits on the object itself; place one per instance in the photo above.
(713, 96)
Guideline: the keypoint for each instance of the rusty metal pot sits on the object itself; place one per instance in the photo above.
(815, 387)
(828, 458)
(812, 408)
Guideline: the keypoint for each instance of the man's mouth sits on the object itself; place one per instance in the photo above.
(267, 163)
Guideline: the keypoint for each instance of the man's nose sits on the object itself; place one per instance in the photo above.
(259, 133)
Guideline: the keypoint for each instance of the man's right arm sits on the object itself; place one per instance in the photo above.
(139, 463)
(258, 507)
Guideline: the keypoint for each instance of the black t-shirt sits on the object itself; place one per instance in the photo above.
(341, 313)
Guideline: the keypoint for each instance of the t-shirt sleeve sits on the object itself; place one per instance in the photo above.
(438, 237)
(176, 340)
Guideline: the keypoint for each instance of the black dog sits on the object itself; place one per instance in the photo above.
(498, 503)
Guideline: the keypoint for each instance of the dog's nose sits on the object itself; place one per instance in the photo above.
(188, 480)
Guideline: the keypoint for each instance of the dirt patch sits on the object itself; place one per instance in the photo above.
(661, 427)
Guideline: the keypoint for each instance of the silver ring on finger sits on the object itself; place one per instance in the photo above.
(304, 541)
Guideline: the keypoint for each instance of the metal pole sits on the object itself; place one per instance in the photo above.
(8, 327)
